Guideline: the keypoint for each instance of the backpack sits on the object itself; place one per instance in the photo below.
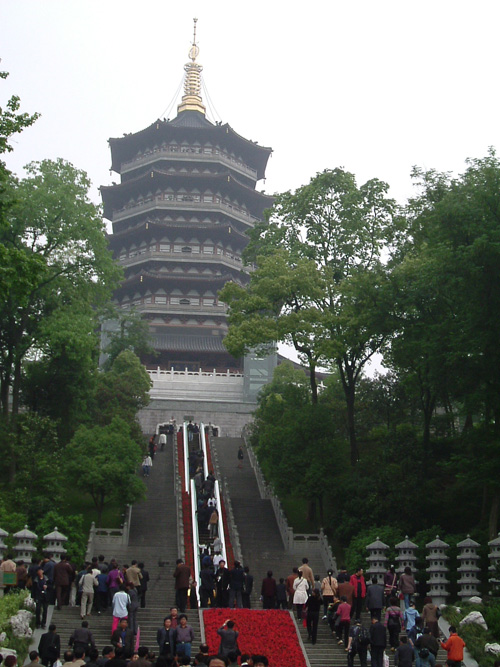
(424, 653)
(362, 637)
(393, 621)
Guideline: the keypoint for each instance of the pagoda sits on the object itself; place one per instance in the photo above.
(180, 215)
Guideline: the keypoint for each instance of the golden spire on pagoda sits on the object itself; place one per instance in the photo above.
(191, 100)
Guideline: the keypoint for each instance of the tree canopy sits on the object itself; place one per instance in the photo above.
(320, 279)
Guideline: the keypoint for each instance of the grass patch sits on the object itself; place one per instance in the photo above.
(473, 635)
(77, 502)
(296, 512)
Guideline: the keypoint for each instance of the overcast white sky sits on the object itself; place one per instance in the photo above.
(375, 86)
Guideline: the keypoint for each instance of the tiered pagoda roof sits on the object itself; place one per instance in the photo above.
(180, 215)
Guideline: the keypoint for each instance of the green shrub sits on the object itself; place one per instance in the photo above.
(9, 606)
(474, 636)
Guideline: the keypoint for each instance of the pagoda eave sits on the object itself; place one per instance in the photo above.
(126, 147)
(224, 232)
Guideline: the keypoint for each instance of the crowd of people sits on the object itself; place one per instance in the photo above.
(337, 600)
(175, 639)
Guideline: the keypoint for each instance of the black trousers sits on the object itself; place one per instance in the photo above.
(312, 625)
(181, 598)
(352, 654)
(377, 656)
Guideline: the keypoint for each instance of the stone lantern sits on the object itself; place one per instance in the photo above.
(55, 544)
(437, 570)
(3, 546)
(377, 560)
(468, 569)
(494, 557)
(25, 546)
(406, 555)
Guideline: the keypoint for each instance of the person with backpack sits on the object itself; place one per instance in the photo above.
(359, 641)
(393, 622)
(411, 616)
(424, 658)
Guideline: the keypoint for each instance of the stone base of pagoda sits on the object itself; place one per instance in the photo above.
(229, 415)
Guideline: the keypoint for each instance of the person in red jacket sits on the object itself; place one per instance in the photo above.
(357, 581)
(454, 647)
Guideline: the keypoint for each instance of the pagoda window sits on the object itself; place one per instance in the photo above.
(184, 301)
(148, 299)
(186, 248)
(209, 301)
(208, 199)
(195, 249)
(175, 300)
(153, 246)
(160, 299)
(178, 247)
(207, 151)
(208, 250)
(164, 247)
(220, 250)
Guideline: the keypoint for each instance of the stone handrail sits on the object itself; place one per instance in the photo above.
(187, 153)
(159, 374)
(108, 538)
(293, 544)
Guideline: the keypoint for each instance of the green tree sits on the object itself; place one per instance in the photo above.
(320, 279)
(103, 462)
(122, 391)
(131, 332)
(55, 261)
(70, 525)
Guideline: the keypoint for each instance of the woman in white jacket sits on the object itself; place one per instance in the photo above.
(301, 587)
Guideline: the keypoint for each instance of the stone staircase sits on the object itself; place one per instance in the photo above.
(153, 540)
(262, 548)
(261, 544)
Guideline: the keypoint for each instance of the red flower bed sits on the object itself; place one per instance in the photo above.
(271, 633)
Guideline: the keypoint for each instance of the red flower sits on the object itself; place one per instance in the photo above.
(266, 632)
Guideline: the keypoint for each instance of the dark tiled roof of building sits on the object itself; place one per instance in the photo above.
(177, 343)
(191, 119)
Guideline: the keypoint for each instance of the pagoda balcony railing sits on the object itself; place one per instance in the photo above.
(175, 308)
(184, 202)
(198, 257)
(187, 154)
(160, 374)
